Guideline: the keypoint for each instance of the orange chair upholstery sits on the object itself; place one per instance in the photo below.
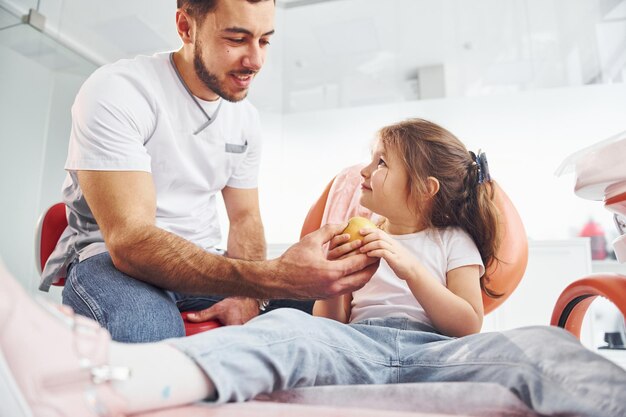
(339, 202)
(574, 301)
(51, 225)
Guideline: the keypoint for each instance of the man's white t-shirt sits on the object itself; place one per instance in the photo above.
(438, 250)
(137, 115)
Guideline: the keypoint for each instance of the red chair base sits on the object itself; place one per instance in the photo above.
(192, 328)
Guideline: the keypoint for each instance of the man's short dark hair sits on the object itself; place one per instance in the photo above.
(200, 8)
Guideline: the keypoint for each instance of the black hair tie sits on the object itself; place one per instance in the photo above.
(480, 160)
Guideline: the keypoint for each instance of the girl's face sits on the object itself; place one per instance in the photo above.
(384, 188)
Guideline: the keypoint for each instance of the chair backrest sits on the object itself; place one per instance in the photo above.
(339, 202)
(50, 227)
(571, 306)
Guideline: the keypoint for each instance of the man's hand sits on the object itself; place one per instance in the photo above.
(340, 247)
(304, 271)
(230, 311)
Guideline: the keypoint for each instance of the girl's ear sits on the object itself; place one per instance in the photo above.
(432, 184)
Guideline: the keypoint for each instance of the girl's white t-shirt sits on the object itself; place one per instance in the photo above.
(438, 250)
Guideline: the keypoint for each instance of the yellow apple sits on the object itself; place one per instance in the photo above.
(355, 224)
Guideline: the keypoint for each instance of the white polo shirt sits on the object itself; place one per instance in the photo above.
(137, 115)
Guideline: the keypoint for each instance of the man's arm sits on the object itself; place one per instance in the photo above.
(246, 240)
(124, 205)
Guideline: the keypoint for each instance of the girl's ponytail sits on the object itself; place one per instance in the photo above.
(478, 215)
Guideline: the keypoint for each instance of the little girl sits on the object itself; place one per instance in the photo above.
(417, 320)
(438, 230)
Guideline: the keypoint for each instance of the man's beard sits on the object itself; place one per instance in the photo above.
(210, 80)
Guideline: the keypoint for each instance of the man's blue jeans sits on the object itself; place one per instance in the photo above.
(546, 367)
(132, 310)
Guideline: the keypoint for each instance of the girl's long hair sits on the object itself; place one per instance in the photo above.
(429, 150)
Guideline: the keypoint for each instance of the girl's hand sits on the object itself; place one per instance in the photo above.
(377, 243)
(338, 248)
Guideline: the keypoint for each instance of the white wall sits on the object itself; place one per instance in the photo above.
(22, 135)
(526, 136)
(34, 130)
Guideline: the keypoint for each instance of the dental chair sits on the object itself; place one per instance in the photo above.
(340, 201)
(51, 226)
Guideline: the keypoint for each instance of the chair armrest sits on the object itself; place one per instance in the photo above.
(574, 301)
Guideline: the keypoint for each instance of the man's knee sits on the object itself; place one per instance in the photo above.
(139, 324)
(131, 310)
(147, 318)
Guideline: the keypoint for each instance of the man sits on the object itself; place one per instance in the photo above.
(153, 140)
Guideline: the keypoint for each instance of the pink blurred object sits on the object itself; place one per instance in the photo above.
(595, 232)
(52, 363)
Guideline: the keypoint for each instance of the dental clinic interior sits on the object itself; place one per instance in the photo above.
(539, 85)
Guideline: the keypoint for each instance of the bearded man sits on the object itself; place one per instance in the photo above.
(153, 140)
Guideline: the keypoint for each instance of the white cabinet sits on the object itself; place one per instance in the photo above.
(552, 265)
